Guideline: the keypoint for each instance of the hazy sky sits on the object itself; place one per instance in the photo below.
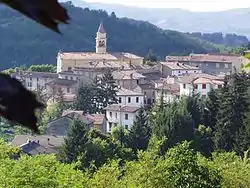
(192, 5)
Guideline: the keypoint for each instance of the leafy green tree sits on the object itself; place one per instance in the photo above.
(210, 109)
(75, 143)
(140, 132)
(184, 170)
(150, 57)
(173, 122)
(43, 68)
(107, 90)
(121, 135)
(193, 104)
(225, 128)
(85, 99)
(203, 141)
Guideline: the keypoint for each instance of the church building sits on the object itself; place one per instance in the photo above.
(67, 61)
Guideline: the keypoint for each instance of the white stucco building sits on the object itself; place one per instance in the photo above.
(125, 111)
(199, 83)
(34, 80)
(178, 69)
(130, 98)
(169, 89)
(123, 115)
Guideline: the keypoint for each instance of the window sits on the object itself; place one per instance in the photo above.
(137, 99)
(69, 68)
(129, 100)
(219, 86)
(179, 71)
(206, 64)
(126, 126)
(217, 65)
(120, 100)
(115, 115)
(66, 77)
(115, 124)
(137, 81)
(71, 78)
(30, 78)
(126, 116)
(186, 71)
(110, 114)
(37, 79)
(226, 65)
(194, 71)
(68, 89)
(153, 100)
(145, 93)
(195, 86)
(204, 86)
(110, 126)
(184, 86)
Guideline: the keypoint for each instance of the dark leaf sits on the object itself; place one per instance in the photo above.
(17, 104)
(46, 12)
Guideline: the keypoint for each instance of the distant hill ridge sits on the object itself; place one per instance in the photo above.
(228, 22)
(24, 42)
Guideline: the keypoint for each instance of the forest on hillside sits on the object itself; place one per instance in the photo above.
(24, 42)
(231, 40)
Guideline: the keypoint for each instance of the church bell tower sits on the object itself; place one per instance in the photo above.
(101, 40)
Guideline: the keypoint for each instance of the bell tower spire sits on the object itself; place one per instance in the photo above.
(101, 40)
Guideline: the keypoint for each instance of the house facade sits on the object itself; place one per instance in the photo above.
(210, 63)
(201, 83)
(122, 115)
(178, 69)
(34, 80)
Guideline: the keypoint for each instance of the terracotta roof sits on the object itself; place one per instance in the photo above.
(174, 88)
(122, 108)
(189, 78)
(177, 58)
(97, 56)
(127, 75)
(218, 58)
(102, 64)
(101, 28)
(62, 82)
(94, 118)
(148, 85)
(86, 56)
(179, 66)
(126, 92)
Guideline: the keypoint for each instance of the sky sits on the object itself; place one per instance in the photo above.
(191, 5)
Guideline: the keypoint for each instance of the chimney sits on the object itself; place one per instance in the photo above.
(170, 80)
(131, 76)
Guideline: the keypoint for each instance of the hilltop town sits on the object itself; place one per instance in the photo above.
(139, 84)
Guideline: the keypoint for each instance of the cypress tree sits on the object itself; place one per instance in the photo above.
(225, 127)
(107, 90)
(75, 142)
(140, 132)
